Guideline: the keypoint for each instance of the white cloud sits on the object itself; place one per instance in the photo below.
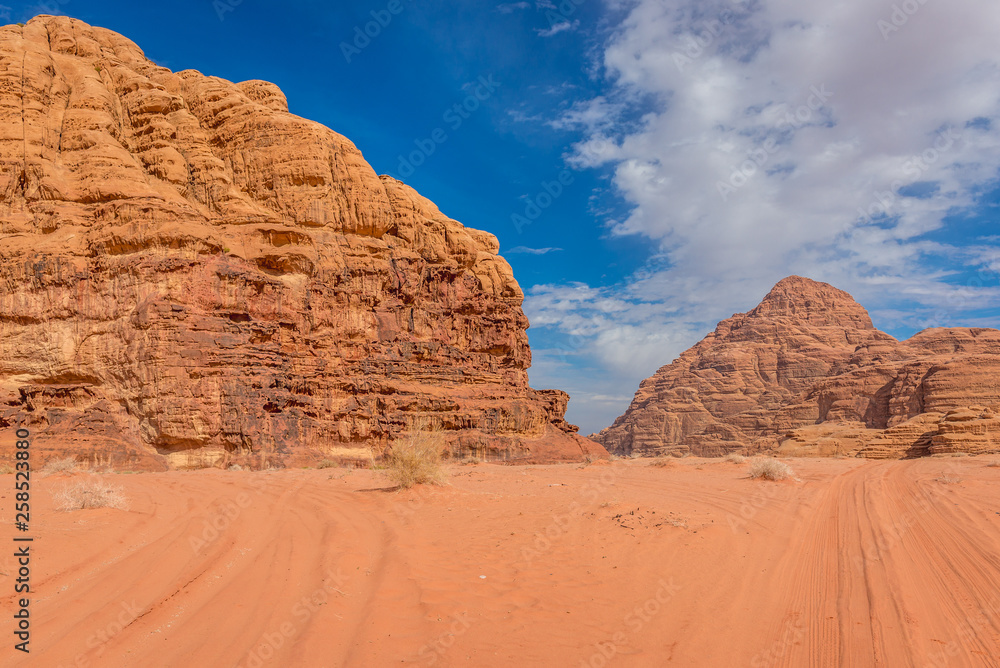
(511, 7)
(789, 137)
(532, 251)
(557, 28)
(591, 116)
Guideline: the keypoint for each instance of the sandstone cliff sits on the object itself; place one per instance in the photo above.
(188, 271)
(806, 372)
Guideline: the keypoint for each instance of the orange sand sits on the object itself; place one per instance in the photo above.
(624, 564)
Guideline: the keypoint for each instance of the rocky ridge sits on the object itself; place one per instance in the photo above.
(190, 274)
(806, 372)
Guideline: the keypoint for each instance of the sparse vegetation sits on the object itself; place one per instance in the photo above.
(91, 493)
(994, 464)
(662, 462)
(6, 469)
(735, 458)
(97, 68)
(948, 480)
(327, 464)
(416, 460)
(769, 469)
(65, 465)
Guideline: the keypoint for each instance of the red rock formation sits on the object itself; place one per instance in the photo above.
(188, 271)
(807, 371)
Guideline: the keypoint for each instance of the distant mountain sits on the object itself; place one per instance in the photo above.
(806, 372)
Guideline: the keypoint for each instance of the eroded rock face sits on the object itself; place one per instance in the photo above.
(806, 372)
(187, 270)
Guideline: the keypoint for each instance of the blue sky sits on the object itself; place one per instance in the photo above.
(707, 148)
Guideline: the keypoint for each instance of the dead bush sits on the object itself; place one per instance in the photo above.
(65, 465)
(416, 460)
(769, 469)
(91, 493)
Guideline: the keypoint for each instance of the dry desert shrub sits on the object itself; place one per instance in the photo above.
(735, 458)
(662, 462)
(65, 465)
(416, 460)
(769, 469)
(91, 493)
(327, 464)
(994, 464)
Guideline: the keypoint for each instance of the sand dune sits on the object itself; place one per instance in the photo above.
(693, 564)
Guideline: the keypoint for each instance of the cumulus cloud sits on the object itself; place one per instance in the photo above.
(835, 140)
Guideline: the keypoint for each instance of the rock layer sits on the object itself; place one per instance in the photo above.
(189, 272)
(806, 372)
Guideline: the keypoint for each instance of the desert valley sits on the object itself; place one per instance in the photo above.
(271, 408)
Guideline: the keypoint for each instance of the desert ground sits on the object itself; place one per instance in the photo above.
(692, 563)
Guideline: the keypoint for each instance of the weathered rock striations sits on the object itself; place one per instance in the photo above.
(806, 372)
(188, 271)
